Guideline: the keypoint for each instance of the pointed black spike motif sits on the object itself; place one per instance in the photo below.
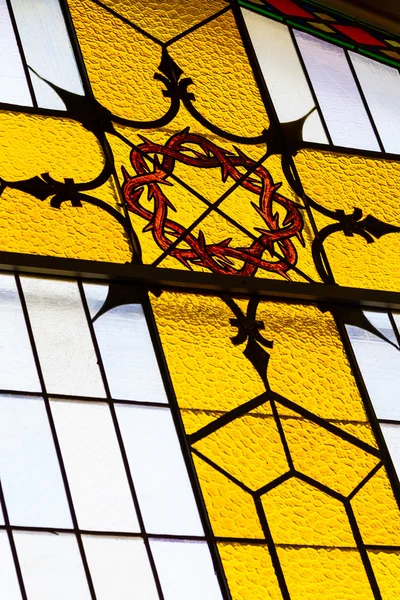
(35, 186)
(258, 357)
(356, 317)
(118, 295)
(169, 67)
(79, 109)
(293, 130)
(376, 227)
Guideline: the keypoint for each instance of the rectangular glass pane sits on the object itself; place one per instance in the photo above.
(119, 568)
(13, 86)
(62, 337)
(29, 469)
(391, 434)
(8, 578)
(127, 351)
(47, 49)
(283, 74)
(158, 470)
(185, 570)
(51, 566)
(17, 366)
(94, 466)
(381, 87)
(379, 363)
(337, 93)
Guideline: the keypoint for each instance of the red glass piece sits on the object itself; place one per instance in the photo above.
(287, 7)
(359, 35)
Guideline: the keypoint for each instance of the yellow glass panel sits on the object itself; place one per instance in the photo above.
(34, 227)
(308, 364)
(225, 89)
(325, 457)
(386, 566)
(249, 448)
(152, 16)
(298, 513)
(377, 512)
(344, 182)
(249, 572)
(207, 370)
(319, 574)
(231, 510)
(322, 27)
(121, 63)
(31, 145)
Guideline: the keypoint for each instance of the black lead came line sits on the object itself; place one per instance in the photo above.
(118, 434)
(55, 437)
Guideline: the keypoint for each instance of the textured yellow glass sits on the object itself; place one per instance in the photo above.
(299, 513)
(124, 65)
(230, 508)
(151, 16)
(249, 572)
(289, 466)
(320, 574)
(377, 526)
(37, 146)
(249, 448)
(344, 182)
(386, 566)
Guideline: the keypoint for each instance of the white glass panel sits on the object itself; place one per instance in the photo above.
(337, 93)
(47, 49)
(8, 578)
(392, 437)
(381, 87)
(51, 566)
(185, 570)
(62, 337)
(17, 367)
(379, 363)
(94, 466)
(283, 74)
(29, 469)
(381, 321)
(396, 317)
(120, 568)
(127, 351)
(13, 86)
(158, 470)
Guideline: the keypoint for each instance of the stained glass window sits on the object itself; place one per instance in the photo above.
(199, 301)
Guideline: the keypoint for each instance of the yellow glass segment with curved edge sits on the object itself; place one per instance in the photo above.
(309, 424)
(249, 572)
(344, 182)
(150, 15)
(57, 151)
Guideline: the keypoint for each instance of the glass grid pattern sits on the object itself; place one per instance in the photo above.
(95, 494)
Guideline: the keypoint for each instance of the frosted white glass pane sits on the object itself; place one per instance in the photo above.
(51, 566)
(8, 577)
(62, 336)
(158, 470)
(127, 351)
(120, 568)
(391, 434)
(47, 49)
(379, 363)
(381, 321)
(17, 367)
(381, 87)
(94, 466)
(185, 570)
(283, 74)
(337, 93)
(29, 468)
(396, 317)
(13, 86)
